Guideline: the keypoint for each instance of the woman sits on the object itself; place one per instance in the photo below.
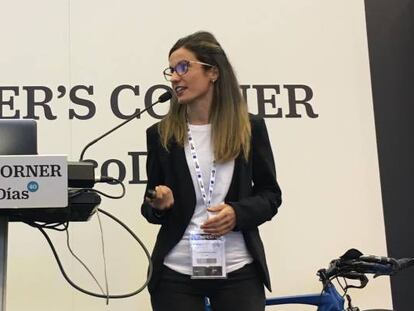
(211, 166)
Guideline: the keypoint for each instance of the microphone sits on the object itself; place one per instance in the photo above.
(82, 174)
(163, 98)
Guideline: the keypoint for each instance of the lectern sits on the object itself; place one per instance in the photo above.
(34, 188)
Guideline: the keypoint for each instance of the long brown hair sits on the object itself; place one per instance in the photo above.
(228, 114)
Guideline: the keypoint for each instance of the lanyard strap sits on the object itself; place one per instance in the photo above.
(206, 198)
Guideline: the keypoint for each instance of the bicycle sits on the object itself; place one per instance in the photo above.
(352, 265)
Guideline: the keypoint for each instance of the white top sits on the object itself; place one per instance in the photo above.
(237, 255)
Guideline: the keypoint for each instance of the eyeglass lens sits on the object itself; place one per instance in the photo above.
(181, 68)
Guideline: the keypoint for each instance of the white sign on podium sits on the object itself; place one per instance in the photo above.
(33, 181)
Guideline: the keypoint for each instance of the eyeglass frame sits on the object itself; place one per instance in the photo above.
(168, 76)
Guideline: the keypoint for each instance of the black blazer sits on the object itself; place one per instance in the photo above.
(254, 194)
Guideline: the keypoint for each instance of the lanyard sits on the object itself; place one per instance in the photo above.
(206, 199)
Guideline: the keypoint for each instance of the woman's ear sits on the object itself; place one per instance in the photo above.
(214, 74)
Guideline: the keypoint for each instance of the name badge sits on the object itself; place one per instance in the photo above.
(208, 256)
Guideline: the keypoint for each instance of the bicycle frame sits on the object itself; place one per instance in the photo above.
(328, 300)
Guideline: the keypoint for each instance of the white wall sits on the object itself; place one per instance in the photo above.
(327, 166)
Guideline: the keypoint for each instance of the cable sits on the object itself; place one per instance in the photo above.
(107, 195)
(82, 263)
(344, 288)
(104, 257)
(45, 225)
(109, 180)
(92, 293)
(75, 192)
(149, 274)
(104, 179)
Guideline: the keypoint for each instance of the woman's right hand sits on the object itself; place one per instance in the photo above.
(163, 198)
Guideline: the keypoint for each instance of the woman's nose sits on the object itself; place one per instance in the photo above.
(175, 76)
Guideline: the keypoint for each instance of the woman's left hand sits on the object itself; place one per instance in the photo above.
(223, 221)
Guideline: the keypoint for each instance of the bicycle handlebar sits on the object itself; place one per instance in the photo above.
(354, 265)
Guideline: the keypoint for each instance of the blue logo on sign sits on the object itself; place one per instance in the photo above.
(32, 186)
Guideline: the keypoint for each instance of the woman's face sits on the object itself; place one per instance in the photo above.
(194, 85)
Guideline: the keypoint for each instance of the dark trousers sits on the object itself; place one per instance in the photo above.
(241, 291)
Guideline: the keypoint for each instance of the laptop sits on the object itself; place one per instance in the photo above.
(18, 137)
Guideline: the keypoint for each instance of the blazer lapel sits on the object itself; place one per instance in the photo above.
(233, 192)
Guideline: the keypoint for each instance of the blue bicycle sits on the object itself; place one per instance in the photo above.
(353, 265)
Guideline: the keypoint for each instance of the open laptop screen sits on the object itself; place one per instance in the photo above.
(18, 137)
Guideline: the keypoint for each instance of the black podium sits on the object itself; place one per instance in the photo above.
(19, 138)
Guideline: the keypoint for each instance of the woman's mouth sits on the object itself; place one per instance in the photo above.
(179, 90)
